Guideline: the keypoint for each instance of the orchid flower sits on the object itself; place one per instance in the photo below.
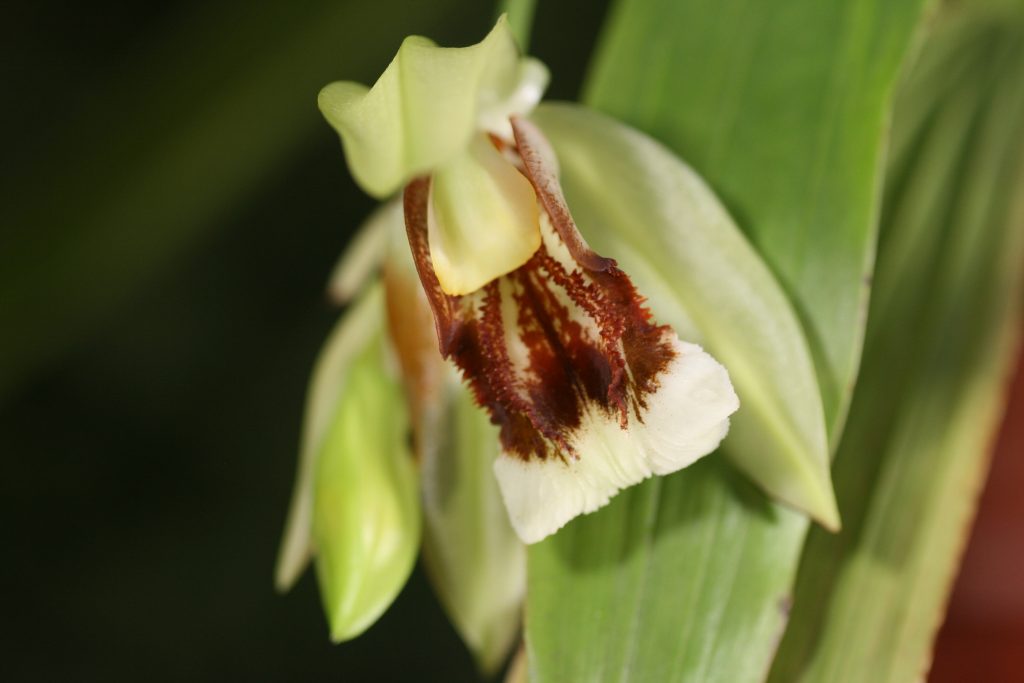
(485, 267)
(591, 394)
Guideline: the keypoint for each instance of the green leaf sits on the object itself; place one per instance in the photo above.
(366, 512)
(635, 200)
(783, 108)
(943, 331)
(683, 578)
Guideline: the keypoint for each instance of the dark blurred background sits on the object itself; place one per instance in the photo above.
(172, 204)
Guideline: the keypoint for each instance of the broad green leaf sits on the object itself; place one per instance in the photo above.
(683, 578)
(943, 330)
(354, 331)
(366, 509)
(783, 109)
(635, 200)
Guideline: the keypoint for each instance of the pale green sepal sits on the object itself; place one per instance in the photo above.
(427, 104)
(362, 323)
(366, 514)
(475, 560)
(365, 253)
(483, 219)
(634, 199)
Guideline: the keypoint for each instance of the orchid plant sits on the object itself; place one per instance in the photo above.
(589, 391)
(498, 376)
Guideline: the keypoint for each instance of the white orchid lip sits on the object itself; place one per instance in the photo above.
(591, 396)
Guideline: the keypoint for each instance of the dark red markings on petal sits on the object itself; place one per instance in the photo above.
(470, 332)
(535, 151)
(607, 366)
(553, 376)
(415, 201)
(584, 341)
(646, 346)
(505, 387)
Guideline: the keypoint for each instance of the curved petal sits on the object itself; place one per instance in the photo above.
(636, 200)
(365, 253)
(483, 220)
(474, 559)
(427, 104)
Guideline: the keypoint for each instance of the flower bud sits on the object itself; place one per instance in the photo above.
(366, 515)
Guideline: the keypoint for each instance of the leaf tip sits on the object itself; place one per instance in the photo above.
(826, 511)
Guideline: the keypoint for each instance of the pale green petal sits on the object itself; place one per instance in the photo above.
(427, 104)
(362, 323)
(497, 105)
(365, 253)
(483, 220)
(366, 513)
(475, 560)
(636, 201)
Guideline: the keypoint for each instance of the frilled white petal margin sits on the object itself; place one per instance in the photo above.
(685, 419)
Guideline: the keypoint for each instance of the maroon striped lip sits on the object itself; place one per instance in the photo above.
(563, 335)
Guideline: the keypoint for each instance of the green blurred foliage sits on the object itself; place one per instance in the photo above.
(943, 333)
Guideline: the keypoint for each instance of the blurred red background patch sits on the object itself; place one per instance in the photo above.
(982, 640)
